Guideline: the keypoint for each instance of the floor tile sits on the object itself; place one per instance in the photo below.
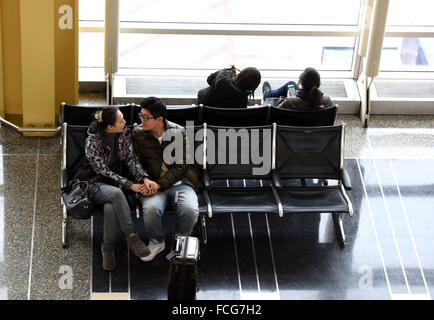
(17, 198)
(58, 273)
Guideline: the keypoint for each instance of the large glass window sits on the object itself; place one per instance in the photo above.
(412, 50)
(91, 50)
(407, 54)
(242, 11)
(91, 10)
(209, 52)
(309, 45)
(410, 13)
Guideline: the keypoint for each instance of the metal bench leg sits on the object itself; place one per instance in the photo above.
(64, 222)
(203, 229)
(138, 206)
(137, 212)
(339, 229)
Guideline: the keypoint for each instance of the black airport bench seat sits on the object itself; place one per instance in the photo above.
(262, 168)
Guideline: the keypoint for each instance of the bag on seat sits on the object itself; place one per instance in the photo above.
(76, 199)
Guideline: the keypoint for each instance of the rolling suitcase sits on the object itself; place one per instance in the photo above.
(183, 261)
(183, 269)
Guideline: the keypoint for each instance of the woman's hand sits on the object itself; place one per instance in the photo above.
(233, 70)
(139, 188)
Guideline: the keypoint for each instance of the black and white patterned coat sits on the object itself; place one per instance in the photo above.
(98, 156)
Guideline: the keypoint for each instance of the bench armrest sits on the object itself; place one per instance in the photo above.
(346, 181)
(275, 179)
(64, 180)
(206, 180)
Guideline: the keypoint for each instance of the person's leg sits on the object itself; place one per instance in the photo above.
(187, 209)
(110, 225)
(280, 92)
(153, 209)
(117, 212)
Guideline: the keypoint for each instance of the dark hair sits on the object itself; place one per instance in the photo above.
(105, 117)
(248, 80)
(155, 106)
(311, 81)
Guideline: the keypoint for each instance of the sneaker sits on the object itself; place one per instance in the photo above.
(155, 247)
(265, 88)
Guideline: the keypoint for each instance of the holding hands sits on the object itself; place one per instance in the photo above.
(148, 188)
(151, 186)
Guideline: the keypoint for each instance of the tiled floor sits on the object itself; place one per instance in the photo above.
(389, 240)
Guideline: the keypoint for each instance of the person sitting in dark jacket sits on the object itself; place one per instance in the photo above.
(152, 140)
(228, 89)
(307, 96)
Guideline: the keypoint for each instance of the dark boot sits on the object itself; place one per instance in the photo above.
(108, 257)
(137, 246)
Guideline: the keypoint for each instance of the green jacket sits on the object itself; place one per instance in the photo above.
(150, 154)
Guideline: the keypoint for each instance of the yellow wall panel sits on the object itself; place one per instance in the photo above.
(11, 45)
(39, 56)
(37, 52)
(2, 105)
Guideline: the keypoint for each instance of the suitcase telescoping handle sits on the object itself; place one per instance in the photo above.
(173, 251)
(175, 207)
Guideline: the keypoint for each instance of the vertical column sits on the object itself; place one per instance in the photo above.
(371, 46)
(376, 37)
(2, 104)
(38, 63)
(365, 27)
(66, 51)
(111, 40)
(11, 52)
(39, 60)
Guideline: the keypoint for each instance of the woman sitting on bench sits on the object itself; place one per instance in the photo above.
(306, 95)
(108, 146)
(227, 89)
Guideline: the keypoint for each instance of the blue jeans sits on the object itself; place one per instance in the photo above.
(187, 210)
(281, 92)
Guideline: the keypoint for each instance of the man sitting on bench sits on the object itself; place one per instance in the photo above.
(149, 140)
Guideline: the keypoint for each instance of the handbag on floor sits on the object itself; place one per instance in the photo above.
(77, 202)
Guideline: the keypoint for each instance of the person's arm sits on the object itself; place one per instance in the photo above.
(211, 78)
(327, 102)
(96, 155)
(223, 80)
(151, 186)
(175, 172)
(286, 104)
(132, 162)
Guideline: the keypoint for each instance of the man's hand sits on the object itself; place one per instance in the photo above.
(151, 186)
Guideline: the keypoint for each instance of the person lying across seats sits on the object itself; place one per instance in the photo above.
(229, 89)
(306, 96)
(150, 140)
